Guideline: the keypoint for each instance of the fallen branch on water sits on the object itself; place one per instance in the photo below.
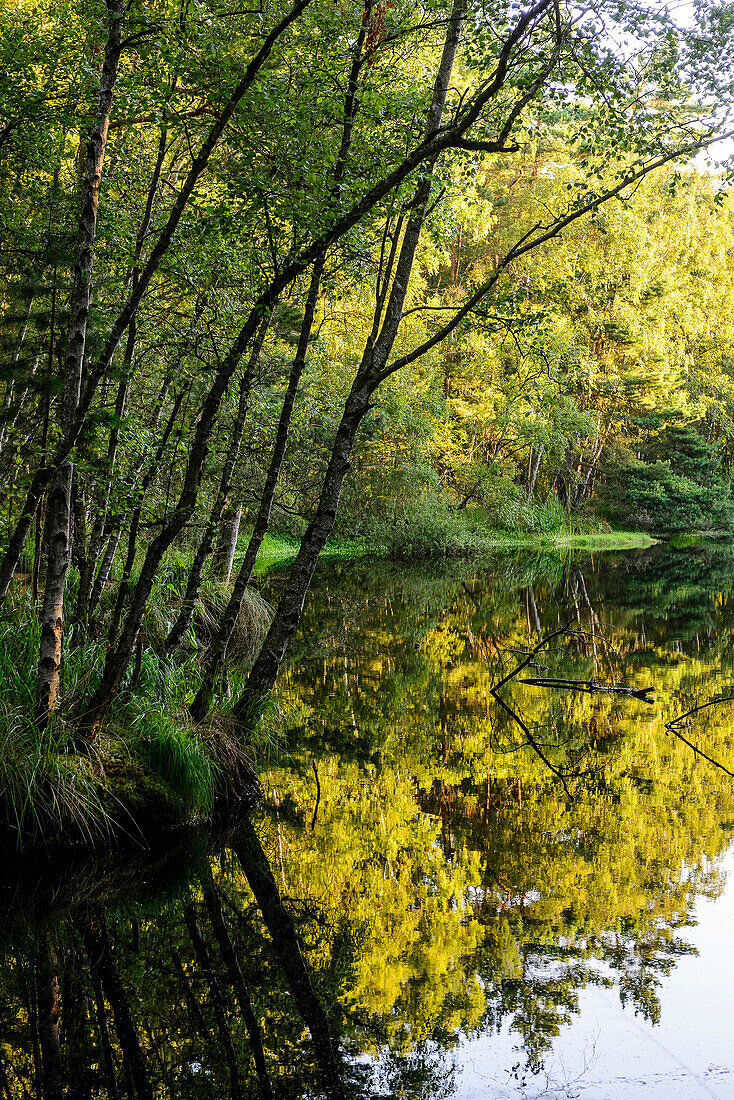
(591, 687)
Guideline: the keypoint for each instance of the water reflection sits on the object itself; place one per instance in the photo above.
(428, 881)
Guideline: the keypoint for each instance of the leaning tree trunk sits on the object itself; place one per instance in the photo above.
(119, 655)
(49, 470)
(86, 577)
(59, 501)
(220, 642)
(236, 977)
(132, 538)
(282, 931)
(115, 537)
(372, 371)
(96, 940)
(218, 647)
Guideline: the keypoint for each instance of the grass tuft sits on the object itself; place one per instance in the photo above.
(173, 750)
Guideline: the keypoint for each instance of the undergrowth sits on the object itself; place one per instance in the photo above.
(149, 750)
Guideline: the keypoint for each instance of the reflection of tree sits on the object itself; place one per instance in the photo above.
(96, 940)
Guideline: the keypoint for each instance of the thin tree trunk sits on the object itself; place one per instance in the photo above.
(104, 1036)
(534, 476)
(11, 389)
(196, 1018)
(81, 614)
(105, 569)
(218, 647)
(196, 573)
(220, 1011)
(135, 522)
(371, 372)
(96, 941)
(48, 471)
(220, 642)
(104, 572)
(223, 556)
(59, 502)
(47, 1001)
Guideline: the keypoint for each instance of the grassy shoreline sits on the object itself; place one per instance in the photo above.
(153, 768)
(278, 551)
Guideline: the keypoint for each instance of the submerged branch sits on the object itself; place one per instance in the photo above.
(516, 717)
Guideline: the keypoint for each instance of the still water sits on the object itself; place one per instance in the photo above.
(448, 891)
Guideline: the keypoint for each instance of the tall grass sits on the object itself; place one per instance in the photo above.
(518, 514)
(174, 751)
(46, 789)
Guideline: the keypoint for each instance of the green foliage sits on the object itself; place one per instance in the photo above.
(680, 491)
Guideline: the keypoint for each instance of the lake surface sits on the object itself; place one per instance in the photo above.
(447, 892)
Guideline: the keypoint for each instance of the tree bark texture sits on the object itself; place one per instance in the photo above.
(218, 647)
(193, 584)
(12, 391)
(59, 501)
(229, 530)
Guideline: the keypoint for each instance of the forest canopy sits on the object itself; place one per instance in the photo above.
(401, 271)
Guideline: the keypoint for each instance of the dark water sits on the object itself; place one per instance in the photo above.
(445, 894)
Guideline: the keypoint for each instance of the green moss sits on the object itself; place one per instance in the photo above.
(138, 800)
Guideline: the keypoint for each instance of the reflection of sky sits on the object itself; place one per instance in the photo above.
(608, 1053)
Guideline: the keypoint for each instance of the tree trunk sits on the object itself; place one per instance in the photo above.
(81, 614)
(135, 522)
(234, 970)
(534, 475)
(282, 931)
(215, 994)
(12, 391)
(59, 502)
(229, 529)
(373, 369)
(47, 1001)
(218, 647)
(48, 471)
(97, 944)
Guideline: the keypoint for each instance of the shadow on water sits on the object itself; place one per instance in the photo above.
(417, 877)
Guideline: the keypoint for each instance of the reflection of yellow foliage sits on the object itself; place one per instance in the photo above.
(456, 855)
